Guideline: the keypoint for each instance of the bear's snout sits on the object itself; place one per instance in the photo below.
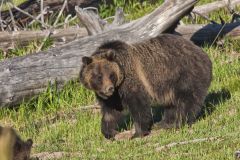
(109, 90)
(106, 92)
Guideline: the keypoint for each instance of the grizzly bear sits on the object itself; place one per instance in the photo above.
(12, 147)
(167, 70)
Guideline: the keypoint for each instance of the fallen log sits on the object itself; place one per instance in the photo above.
(15, 37)
(207, 8)
(22, 37)
(23, 77)
(198, 33)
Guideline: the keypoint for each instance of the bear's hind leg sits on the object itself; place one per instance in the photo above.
(176, 116)
(172, 118)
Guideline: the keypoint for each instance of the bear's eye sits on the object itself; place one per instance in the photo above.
(112, 76)
(99, 77)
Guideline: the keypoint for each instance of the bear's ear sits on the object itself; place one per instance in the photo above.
(109, 55)
(29, 142)
(86, 60)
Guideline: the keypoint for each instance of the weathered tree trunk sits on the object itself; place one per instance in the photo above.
(23, 77)
(22, 36)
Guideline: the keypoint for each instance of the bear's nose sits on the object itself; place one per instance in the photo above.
(109, 89)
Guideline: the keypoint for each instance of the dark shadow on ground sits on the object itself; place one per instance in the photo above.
(212, 100)
(212, 30)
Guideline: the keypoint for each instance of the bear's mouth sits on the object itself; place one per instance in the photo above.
(104, 95)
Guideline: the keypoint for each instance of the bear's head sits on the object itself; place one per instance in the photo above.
(101, 73)
(12, 146)
(22, 149)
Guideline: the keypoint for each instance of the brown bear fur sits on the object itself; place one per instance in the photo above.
(12, 147)
(167, 70)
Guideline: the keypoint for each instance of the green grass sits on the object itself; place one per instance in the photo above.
(16, 2)
(55, 122)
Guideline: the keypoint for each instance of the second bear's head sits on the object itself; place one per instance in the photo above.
(101, 73)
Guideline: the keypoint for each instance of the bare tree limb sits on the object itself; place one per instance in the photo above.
(55, 155)
(170, 145)
(52, 28)
(1, 21)
(68, 21)
(204, 16)
(42, 12)
(12, 18)
(90, 20)
(207, 8)
(25, 36)
(29, 15)
(119, 17)
(60, 13)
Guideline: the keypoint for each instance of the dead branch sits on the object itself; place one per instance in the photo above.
(170, 145)
(199, 34)
(90, 20)
(210, 7)
(55, 155)
(29, 15)
(35, 7)
(119, 17)
(1, 21)
(60, 13)
(204, 16)
(21, 37)
(52, 28)
(42, 11)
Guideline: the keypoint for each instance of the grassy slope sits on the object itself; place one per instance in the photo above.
(74, 131)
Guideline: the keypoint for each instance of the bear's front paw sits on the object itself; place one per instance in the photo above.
(126, 135)
(110, 135)
(140, 135)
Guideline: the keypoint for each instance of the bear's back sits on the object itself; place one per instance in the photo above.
(169, 49)
(169, 55)
(168, 62)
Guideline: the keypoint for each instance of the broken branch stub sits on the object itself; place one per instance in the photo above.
(90, 20)
(119, 17)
